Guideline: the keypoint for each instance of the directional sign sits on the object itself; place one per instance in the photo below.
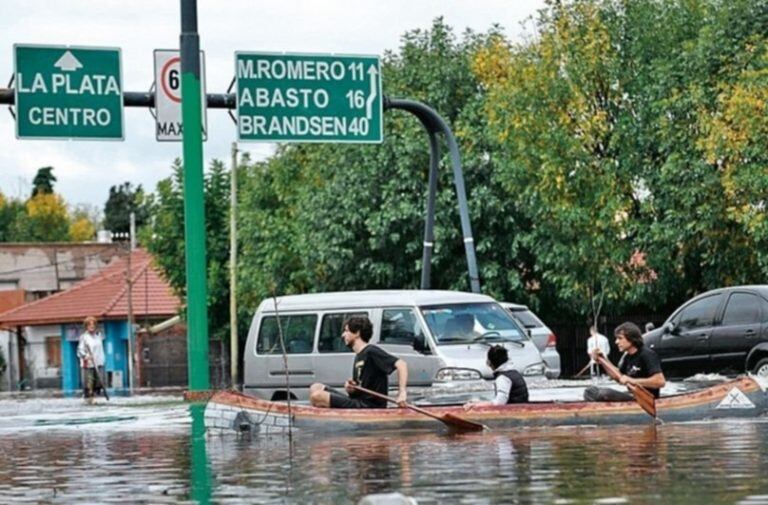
(168, 94)
(308, 98)
(68, 92)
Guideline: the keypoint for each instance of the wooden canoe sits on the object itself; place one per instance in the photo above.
(744, 397)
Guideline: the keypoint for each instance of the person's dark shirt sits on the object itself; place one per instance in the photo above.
(370, 370)
(518, 391)
(641, 365)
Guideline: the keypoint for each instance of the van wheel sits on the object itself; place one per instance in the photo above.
(761, 368)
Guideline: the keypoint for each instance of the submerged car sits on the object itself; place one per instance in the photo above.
(723, 331)
(542, 336)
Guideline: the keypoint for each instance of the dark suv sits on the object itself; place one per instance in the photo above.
(721, 331)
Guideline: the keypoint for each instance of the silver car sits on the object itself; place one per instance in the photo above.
(542, 336)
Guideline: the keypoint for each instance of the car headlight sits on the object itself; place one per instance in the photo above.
(534, 370)
(457, 374)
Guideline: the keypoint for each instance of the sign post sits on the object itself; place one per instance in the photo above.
(65, 92)
(308, 98)
(168, 125)
(194, 201)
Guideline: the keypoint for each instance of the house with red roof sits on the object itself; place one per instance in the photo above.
(47, 330)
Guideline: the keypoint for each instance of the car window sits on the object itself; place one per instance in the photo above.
(527, 318)
(701, 313)
(330, 332)
(298, 334)
(742, 308)
(399, 326)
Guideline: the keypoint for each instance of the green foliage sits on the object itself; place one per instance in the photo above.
(43, 181)
(607, 162)
(12, 212)
(123, 200)
(604, 123)
(334, 217)
(164, 237)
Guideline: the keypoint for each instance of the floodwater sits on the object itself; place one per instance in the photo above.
(156, 451)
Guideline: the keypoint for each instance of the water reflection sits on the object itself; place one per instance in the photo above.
(721, 462)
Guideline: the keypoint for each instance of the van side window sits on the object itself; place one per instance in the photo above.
(330, 332)
(298, 334)
(399, 326)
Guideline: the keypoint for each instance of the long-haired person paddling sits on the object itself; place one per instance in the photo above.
(638, 365)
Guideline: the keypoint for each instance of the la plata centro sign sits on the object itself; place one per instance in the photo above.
(67, 92)
(308, 97)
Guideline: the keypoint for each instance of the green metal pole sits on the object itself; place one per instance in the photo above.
(194, 202)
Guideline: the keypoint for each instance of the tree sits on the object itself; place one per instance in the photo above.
(164, 237)
(604, 125)
(555, 109)
(46, 219)
(43, 181)
(123, 200)
(12, 212)
(330, 217)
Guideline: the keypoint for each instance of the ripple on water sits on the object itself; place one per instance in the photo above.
(692, 463)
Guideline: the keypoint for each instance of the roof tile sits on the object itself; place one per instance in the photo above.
(103, 295)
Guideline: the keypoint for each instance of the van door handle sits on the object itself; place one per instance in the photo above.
(703, 336)
(750, 332)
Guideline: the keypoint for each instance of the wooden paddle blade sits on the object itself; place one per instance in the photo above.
(644, 398)
(459, 423)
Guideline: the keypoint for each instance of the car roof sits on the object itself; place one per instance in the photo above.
(376, 298)
(761, 288)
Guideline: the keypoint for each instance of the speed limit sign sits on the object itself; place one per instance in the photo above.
(168, 125)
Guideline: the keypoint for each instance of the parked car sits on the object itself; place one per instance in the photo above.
(444, 337)
(542, 336)
(722, 331)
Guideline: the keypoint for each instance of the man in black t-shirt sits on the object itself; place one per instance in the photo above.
(370, 370)
(638, 365)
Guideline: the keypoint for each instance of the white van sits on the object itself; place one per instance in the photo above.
(443, 336)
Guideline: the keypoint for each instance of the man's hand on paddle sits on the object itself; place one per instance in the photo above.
(349, 386)
(402, 396)
(595, 353)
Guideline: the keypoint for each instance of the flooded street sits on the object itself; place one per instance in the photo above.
(154, 450)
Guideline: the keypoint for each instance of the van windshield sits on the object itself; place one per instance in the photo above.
(471, 322)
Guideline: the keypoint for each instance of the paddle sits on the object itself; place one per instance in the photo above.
(453, 421)
(644, 398)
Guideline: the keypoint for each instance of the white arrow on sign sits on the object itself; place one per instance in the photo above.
(68, 62)
(372, 72)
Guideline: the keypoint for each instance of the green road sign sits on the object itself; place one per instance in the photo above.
(68, 92)
(308, 98)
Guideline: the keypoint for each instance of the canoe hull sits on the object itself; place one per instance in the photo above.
(745, 397)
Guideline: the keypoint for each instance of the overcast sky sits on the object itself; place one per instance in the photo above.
(86, 169)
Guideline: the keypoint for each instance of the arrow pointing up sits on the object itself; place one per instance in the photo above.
(372, 73)
(68, 62)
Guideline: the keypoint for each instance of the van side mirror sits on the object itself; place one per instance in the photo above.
(420, 344)
(669, 328)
